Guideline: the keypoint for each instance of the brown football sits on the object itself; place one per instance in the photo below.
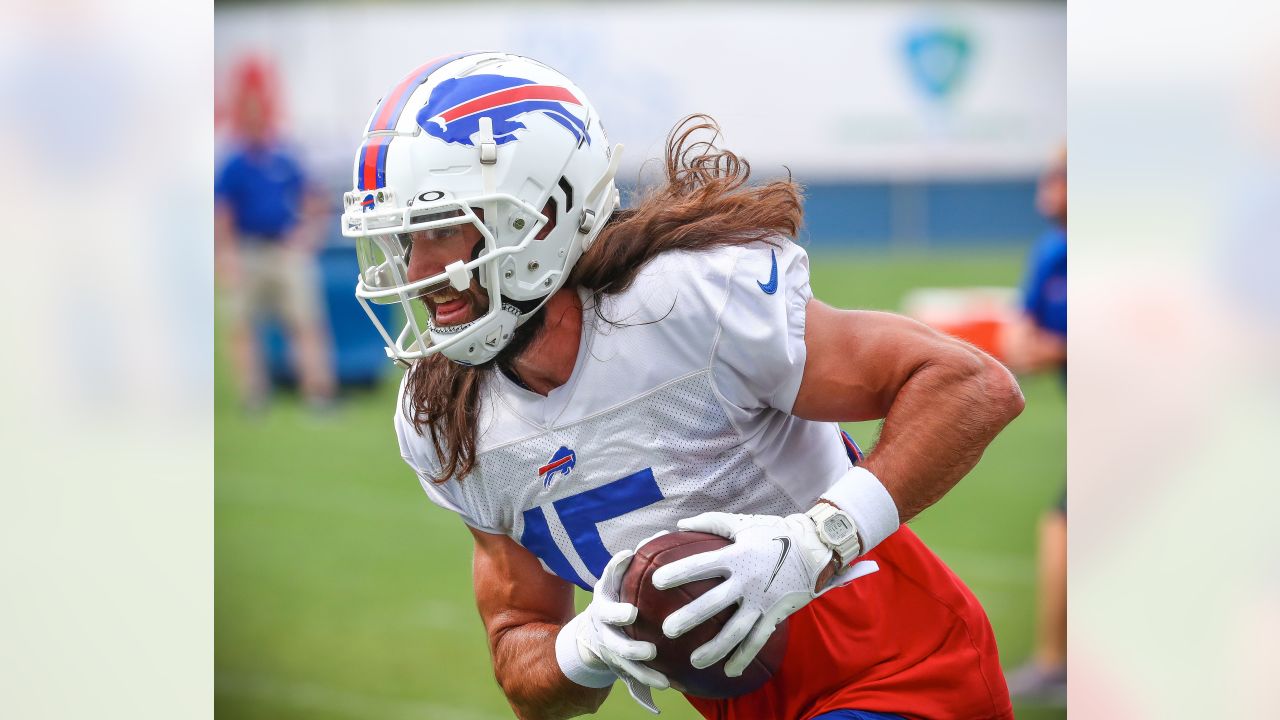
(673, 654)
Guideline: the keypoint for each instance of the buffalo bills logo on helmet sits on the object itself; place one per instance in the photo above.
(456, 105)
(561, 463)
(367, 203)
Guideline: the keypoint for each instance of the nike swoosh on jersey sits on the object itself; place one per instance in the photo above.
(786, 548)
(771, 287)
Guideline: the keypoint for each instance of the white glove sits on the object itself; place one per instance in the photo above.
(592, 648)
(770, 570)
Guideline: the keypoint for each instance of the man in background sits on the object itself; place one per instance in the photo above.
(265, 238)
(1037, 341)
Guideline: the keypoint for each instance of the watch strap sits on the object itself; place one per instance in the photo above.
(850, 547)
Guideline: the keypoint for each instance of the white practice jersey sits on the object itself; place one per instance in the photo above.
(679, 407)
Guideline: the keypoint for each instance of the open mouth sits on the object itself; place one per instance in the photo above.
(449, 307)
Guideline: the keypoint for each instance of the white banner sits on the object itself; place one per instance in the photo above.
(869, 90)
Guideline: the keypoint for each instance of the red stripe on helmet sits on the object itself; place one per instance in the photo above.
(369, 162)
(507, 97)
(382, 119)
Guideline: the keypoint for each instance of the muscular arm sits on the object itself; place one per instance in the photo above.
(942, 400)
(523, 608)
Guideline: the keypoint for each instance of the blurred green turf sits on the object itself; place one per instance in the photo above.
(343, 593)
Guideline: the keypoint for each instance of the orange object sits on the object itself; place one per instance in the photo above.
(985, 333)
(976, 315)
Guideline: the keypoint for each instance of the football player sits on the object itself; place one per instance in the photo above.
(581, 377)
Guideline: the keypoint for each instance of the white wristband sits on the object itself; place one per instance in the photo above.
(572, 664)
(862, 495)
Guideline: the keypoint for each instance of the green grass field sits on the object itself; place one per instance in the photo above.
(343, 593)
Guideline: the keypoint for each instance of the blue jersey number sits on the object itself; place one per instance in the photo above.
(580, 514)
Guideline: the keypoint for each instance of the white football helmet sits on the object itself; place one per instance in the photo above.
(485, 139)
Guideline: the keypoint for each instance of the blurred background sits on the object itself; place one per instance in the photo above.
(928, 136)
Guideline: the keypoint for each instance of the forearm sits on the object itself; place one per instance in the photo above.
(524, 660)
(939, 424)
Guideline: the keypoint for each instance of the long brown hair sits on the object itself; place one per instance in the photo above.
(704, 203)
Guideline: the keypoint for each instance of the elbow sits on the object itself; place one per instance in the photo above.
(988, 384)
(1001, 390)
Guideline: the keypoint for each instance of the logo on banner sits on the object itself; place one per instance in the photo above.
(938, 59)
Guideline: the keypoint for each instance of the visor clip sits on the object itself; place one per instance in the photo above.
(488, 147)
(588, 221)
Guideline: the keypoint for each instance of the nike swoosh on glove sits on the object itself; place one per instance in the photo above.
(602, 645)
(770, 570)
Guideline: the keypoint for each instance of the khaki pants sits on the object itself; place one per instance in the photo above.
(278, 281)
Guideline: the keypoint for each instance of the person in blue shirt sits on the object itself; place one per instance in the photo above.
(265, 239)
(1037, 341)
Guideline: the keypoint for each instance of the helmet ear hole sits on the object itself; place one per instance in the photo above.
(550, 211)
(568, 193)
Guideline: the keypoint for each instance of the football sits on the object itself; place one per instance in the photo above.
(673, 654)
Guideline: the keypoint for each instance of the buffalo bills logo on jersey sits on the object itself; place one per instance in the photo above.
(367, 203)
(561, 463)
(456, 105)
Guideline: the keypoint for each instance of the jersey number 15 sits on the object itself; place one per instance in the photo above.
(580, 514)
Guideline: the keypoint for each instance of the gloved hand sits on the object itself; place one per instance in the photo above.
(602, 645)
(771, 570)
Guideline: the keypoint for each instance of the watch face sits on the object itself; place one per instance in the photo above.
(838, 527)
